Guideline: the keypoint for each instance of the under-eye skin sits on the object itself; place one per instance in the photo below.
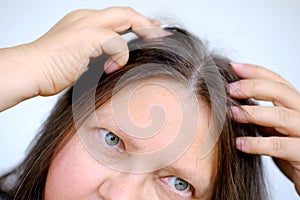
(179, 185)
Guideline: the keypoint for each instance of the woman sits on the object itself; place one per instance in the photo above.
(63, 165)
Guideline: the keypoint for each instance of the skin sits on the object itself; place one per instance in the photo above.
(280, 123)
(75, 174)
(43, 68)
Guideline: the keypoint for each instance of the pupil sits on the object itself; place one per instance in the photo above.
(180, 184)
(111, 139)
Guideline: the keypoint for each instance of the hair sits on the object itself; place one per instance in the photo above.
(239, 175)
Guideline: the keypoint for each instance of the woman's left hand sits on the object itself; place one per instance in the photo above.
(280, 123)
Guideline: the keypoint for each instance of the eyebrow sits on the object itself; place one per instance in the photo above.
(184, 173)
(125, 137)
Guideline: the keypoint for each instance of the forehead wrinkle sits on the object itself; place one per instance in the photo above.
(188, 173)
(204, 176)
(106, 121)
(197, 175)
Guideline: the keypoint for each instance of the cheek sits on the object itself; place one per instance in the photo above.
(74, 174)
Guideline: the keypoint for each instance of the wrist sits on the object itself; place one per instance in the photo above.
(18, 78)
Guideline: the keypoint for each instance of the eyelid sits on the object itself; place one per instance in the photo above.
(183, 193)
(105, 131)
(183, 174)
(126, 139)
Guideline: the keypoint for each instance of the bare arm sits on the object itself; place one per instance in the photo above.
(16, 76)
(54, 61)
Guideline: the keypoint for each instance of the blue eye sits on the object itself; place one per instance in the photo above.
(179, 185)
(109, 143)
(111, 139)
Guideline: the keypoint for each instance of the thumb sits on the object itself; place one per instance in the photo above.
(118, 49)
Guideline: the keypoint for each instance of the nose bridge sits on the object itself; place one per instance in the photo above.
(127, 186)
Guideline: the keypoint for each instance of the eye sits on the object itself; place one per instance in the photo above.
(111, 139)
(179, 185)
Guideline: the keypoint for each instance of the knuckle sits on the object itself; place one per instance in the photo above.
(116, 45)
(113, 9)
(128, 10)
(280, 88)
(121, 57)
(121, 60)
(276, 145)
(76, 13)
(127, 13)
(123, 48)
(283, 116)
(251, 85)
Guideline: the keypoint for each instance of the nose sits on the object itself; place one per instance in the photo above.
(126, 186)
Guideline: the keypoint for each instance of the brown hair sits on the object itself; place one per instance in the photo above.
(240, 176)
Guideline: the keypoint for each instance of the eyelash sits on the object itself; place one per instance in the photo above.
(186, 192)
(119, 146)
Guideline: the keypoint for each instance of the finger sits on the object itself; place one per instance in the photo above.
(120, 19)
(113, 44)
(296, 180)
(117, 47)
(250, 71)
(283, 120)
(290, 170)
(111, 65)
(285, 148)
(268, 131)
(266, 89)
(155, 22)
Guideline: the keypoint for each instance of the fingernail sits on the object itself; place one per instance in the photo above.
(236, 64)
(110, 66)
(234, 109)
(239, 143)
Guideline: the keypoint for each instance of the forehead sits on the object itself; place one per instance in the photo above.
(155, 113)
(149, 116)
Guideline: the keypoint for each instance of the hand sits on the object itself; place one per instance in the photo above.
(280, 123)
(60, 56)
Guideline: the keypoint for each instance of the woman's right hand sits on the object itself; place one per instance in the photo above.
(55, 60)
(63, 53)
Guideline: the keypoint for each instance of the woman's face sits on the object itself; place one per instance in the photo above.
(76, 173)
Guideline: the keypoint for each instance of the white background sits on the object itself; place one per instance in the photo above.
(264, 32)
